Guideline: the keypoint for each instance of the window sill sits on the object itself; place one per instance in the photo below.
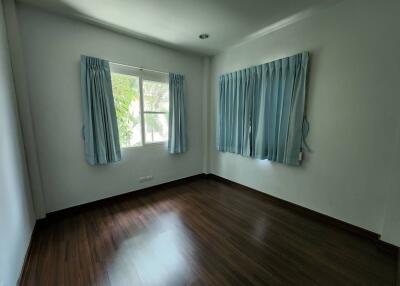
(145, 145)
(155, 143)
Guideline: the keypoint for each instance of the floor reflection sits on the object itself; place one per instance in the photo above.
(153, 257)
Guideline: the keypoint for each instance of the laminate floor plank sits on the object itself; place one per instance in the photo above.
(199, 232)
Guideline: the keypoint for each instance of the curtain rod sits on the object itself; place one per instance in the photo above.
(139, 68)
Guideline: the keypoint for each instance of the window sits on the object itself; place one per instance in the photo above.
(155, 109)
(142, 104)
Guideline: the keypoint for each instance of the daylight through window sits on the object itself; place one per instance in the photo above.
(142, 104)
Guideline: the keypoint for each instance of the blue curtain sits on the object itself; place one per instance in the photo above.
(177, 141)
(100, 129)
(261, 110)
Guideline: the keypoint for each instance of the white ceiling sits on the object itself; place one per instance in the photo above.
(178, 23)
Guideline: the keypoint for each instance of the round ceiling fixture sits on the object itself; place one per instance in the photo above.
(204, 36)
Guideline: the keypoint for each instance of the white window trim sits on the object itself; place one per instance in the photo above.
(142, 74)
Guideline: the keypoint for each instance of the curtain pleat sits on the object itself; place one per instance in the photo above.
(177, 138)
(100, 129)
(261, 110)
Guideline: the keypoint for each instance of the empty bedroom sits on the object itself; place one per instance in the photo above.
(214, 142)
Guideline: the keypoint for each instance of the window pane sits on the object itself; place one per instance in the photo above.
(155, 96)
(156, 127)
(127, 105)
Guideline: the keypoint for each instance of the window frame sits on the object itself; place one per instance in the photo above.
(143, 75)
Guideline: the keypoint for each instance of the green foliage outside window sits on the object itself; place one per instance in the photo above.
(125, 91)
(126, 94)
(155, 99)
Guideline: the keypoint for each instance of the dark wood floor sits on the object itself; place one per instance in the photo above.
(201, 232)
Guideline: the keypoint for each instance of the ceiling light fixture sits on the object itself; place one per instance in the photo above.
(204, 36)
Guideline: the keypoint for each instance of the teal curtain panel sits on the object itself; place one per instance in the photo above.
(261, 110)
(100, 129)
(177, 138)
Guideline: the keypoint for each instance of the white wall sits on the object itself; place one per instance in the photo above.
(353, 104)
(391, 226)
(52, 47)
(24, 106)
(16, 212)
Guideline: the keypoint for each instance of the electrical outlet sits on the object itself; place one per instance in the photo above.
(145, 178)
